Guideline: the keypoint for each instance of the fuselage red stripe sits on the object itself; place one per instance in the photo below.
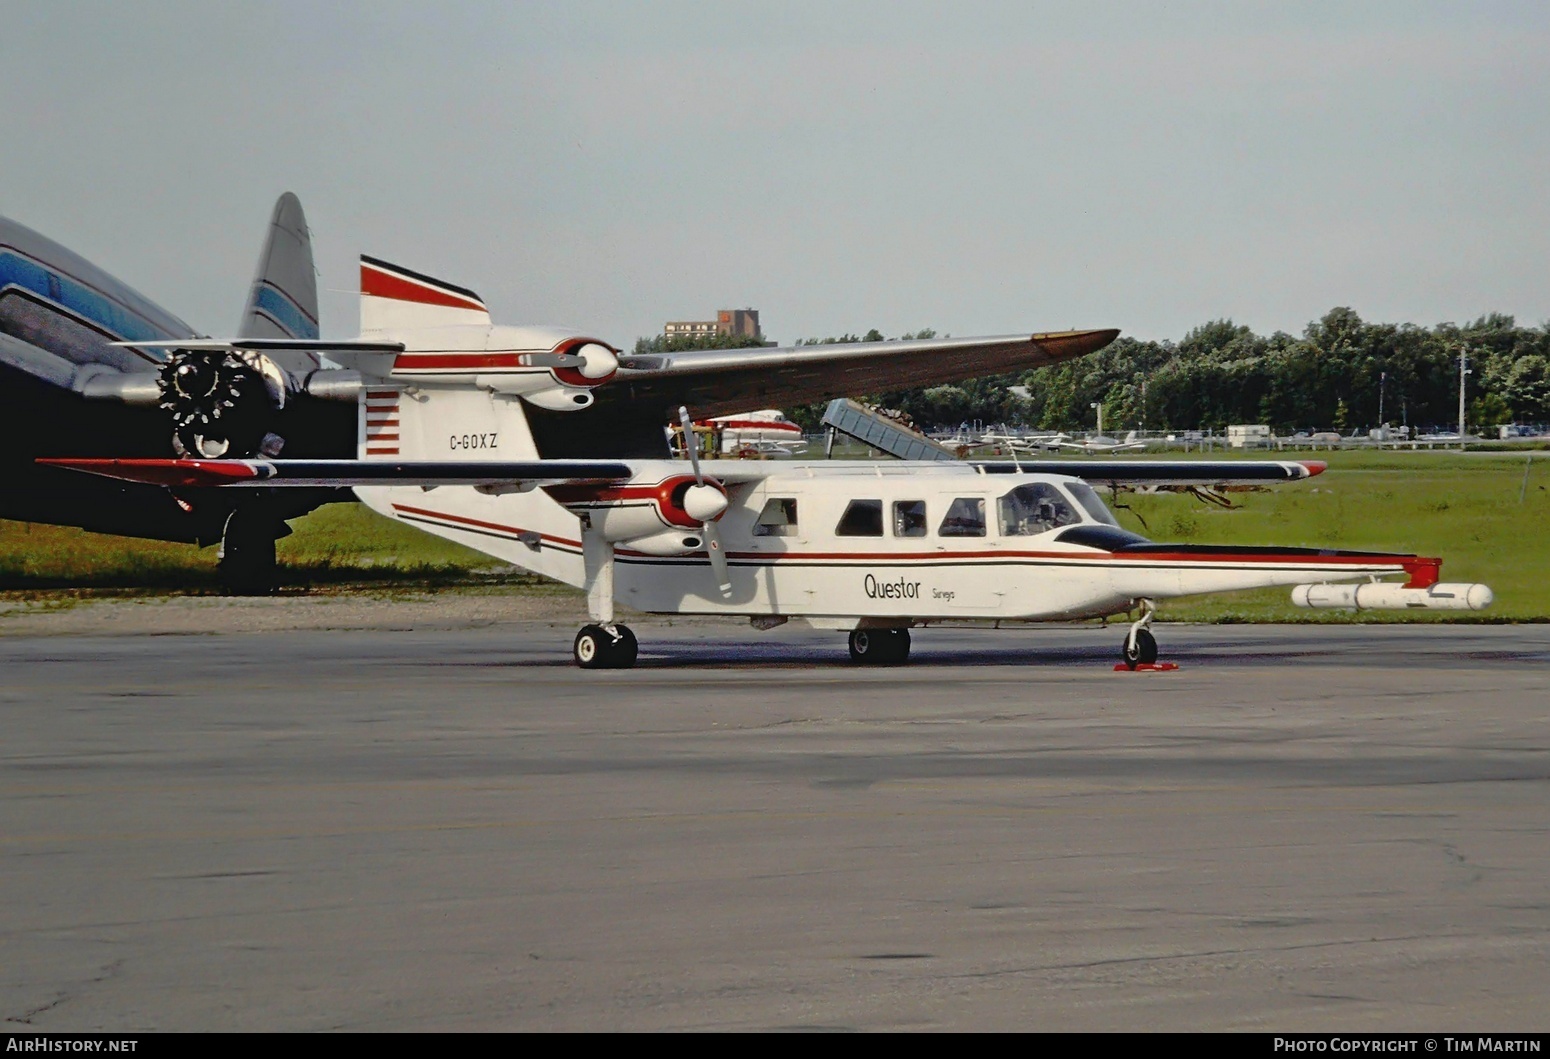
(1172, 559)
(481, 524)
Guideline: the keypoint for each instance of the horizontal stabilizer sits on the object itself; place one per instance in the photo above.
(197, 474)
(1165, 472)
(266, 345)
(367, 357)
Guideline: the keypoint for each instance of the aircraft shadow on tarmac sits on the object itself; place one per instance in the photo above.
(1267, 652)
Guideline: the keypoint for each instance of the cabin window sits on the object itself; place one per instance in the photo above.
(909, 518)
(1035, 508)
(1088, 498)
(965, 518)
(863, 518)
(778, 519)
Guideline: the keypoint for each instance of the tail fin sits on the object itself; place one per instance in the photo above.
(283, 301)
(392, 297)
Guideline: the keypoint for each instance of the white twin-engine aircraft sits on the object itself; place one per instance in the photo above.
(872, 548)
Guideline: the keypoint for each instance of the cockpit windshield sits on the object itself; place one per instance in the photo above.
(1088, 498)
(1035, 508)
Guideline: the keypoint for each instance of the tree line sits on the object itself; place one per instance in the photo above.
(1343, 373)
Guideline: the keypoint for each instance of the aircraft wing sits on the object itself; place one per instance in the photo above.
(299, 474)
(715, 382)
(1166, 472)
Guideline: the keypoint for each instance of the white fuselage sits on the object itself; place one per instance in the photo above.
(934, 542)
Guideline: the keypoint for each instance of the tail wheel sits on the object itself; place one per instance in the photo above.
(1140, 650)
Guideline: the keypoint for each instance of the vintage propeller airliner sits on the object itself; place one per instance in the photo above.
(872, 548)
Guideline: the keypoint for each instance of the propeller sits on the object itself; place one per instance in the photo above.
(705, 503)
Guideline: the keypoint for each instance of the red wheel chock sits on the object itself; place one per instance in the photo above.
(1146, 667)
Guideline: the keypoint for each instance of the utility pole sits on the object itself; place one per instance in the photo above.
(1463, 374)
(1099, 406)
(1383, 381)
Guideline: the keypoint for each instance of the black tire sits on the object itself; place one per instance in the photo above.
(865, 646)
(596, 648)
(247, 566)
(592, 647)
(626, 649)
(879, 647)
(1144, 651)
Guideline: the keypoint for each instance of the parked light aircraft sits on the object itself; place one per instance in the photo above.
(764, 432)
(874, 549)
(1019, 443)
(1104, 446)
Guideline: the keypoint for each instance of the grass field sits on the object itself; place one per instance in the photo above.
(336, 544)
(1465, 508)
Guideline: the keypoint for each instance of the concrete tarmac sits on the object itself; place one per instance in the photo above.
(1304, 828)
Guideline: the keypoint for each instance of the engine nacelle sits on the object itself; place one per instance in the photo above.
(560, 398)
(672, 542)
(1388, 595)
(222, 403)
(672, 509)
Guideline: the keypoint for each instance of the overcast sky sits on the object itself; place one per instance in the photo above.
(980, 170)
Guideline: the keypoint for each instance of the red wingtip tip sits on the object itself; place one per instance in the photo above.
(1314, 466)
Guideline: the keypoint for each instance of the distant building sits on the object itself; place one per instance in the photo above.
(743, 322)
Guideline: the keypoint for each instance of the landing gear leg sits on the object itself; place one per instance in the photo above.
(247, 558)
(1140, 645)
(604, 644)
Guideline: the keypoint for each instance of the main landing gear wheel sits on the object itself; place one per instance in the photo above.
(247, 561)
(881, 647)
(605, 647)
(1140, 649)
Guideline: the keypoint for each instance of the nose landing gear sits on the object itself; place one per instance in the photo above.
(1140, 648)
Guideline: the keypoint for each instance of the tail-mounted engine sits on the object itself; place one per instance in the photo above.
(576, 367)
(223, 403)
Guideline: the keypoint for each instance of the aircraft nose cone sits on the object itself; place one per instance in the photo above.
(704, 503)
(598, 362)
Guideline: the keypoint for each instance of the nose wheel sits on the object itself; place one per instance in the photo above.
(605, 647)
(880, 647)
(1140, 647)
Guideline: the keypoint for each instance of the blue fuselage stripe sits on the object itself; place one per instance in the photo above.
(75, 296)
